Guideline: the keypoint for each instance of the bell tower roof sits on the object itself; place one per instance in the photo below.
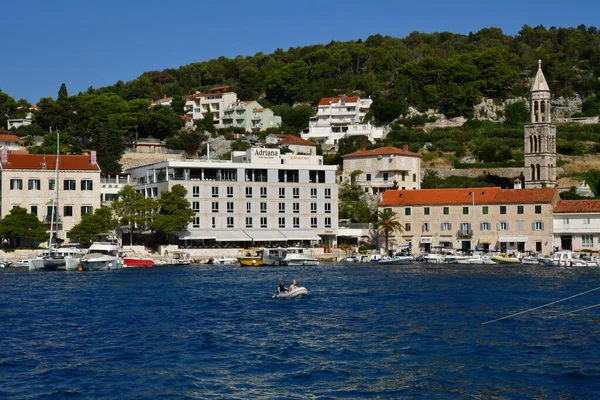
(539, 83)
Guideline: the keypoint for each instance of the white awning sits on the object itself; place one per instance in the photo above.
(301, 235)
(426, 239)
(231, 236)
(199, 234)
(512, 239)
(265, 235)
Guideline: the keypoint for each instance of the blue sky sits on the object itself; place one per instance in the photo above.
(96, 44)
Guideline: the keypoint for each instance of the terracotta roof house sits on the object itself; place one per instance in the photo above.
(576, 225)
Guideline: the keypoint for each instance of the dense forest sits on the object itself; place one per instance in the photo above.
(442, 71)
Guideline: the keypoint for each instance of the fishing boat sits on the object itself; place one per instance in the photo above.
(292, 294)
(294, 256)
(102, 256)
(252, 257)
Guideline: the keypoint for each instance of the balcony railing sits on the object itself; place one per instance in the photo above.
(464, 233)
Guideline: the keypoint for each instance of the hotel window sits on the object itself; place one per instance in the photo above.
(263, 207)
(215, 206)
(50, 214)
(485, 210)
(87, 184)
(426, 227)
(16, 184)
(465, 210)
(538, 209)
(327, 222)
(263, 222)
(502, 209)
(296, 208)
(327, 208)
(566, 221)
(520, 225)
(230, 206)
(86, 210)
(538, 226)
(155, 192)
(213, 222)
(296, 193)
(229, 191)
(587, 240)
(282, 193)
(403, 176)
(520, 210)
(282, 207)
(385, 176)
(195, 191)
(296, 222)
(485, 226)
(407, 227)
(502, 226)
(263, 192)
(68, 211)
(313, 208)
(407, 211)
(51, 184)
(196, 222)
(414, 177)
(281, 222)
(34, 210)
(215, 191)
(446, 226)
(248, 207)
(327, 193)
(34, 184)
(368, 177)
(313, 222)
(586, 221)
(313, 193)
(248, 222)
(230, 222)
(196, 206)
(426, 211)
(69, 184)
(446, 210)
(248, 192)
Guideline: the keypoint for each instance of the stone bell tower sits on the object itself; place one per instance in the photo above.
(540, 137)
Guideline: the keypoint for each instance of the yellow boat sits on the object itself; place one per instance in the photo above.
(252, 257)
(508, 259)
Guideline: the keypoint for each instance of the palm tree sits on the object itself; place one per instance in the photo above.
(387, 224)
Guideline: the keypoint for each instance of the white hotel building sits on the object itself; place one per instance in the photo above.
(259, 196)
(340, 117)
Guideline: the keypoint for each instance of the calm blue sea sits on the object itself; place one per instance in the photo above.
(364, 331)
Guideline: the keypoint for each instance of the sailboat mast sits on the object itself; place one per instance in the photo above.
(57, 185)
(54, 210)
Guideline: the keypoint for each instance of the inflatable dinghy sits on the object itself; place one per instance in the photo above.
(292, 294)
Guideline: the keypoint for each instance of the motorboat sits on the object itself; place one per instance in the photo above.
(349, 259)
(221, 261)
(66, 258)
(22, 263)
(179, 257)
(566, 258)
(252, 257)
(300, 291)
(434, 258)
(273, 256)
(132, 260)
(294, 256)
(102, 256)
(511, 258)
(477, 259)
(397, 260)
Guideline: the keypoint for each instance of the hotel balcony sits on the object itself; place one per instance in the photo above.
(464, 234)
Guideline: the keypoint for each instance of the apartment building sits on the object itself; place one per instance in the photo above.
(30, 181)
(383, 168)
(215, 101)
(259, 196)
(576, 225)
(484, 218)
(292, 143)
(249, 115)
(339, 117)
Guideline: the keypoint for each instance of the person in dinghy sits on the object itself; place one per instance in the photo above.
(281, 288)
(293, 285)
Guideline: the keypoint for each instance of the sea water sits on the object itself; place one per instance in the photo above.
(364, 331)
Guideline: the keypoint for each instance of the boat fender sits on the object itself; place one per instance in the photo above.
(79, 269)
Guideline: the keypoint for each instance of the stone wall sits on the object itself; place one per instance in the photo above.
(475, 172)
(131, 160)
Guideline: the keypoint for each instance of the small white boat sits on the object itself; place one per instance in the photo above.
(273, 256)
(567, 258)
(291, 294)
(179, 257)
(22, 263)
(477, 259)
(397, 260)
(221, 261)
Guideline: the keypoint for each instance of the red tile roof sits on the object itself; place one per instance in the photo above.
(9, 138)
(332, 100)
(36, 161)
(291, 139)
(485, 195)
(382, 151)
(575, 206)
(219, 88)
